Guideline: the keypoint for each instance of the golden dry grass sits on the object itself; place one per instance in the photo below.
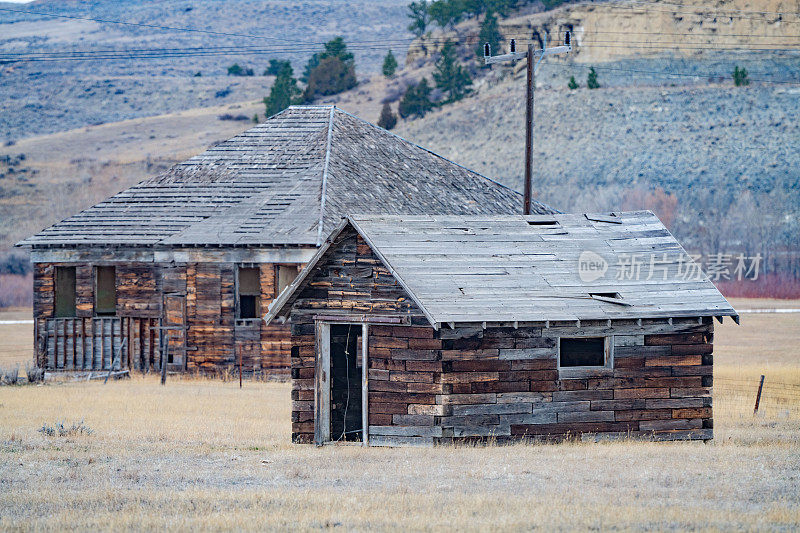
(204, 454)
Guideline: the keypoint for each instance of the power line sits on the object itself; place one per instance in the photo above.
(233, 49)
(139, 24)
(694, 13)
(173, 28)
(160, 55)
(719, 10)
(681, 74)
(694, 34)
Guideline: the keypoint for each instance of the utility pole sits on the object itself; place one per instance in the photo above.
(531, 78)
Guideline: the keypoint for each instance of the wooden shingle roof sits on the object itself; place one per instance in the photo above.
(473, 269)
(286, 181)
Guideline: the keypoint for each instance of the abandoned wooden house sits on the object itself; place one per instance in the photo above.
(429, 329)
(187, 260)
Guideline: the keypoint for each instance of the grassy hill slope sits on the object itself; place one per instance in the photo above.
(49, 96)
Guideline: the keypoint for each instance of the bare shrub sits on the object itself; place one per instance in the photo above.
(9, 376)
(16, 290)
(228, 116)
(771, 285)
(61, 430)
(35, 373)
(396, 90)
(660, 202)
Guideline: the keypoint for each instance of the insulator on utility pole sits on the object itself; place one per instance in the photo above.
(532, 66)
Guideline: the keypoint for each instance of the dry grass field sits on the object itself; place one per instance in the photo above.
(205, 454)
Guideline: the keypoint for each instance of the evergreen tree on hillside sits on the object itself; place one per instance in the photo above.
(387, 120)
(450, 76)
(237, 70)
(331, 76)
(275, 66)
(446, 12)
(740, 77)
(284, 91)
(389, 65)
(312, 63)
(336, 47)
(418, 13)
(490, 33)
(572, 83)
(591, 79)
(330, 72)
(416, 101)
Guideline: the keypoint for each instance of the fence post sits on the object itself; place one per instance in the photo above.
(758, 395)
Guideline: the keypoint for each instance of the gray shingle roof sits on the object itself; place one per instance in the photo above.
(276, 182)
(468, 269)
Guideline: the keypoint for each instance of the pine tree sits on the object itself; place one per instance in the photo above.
(446, 12)
(572, 83)
(313, 61)
(331, 76)
(336, 47)
(283, 93)
(740, 77)
(238, 70)
(418, 13)
(490, 33)
(591, 80)
(330, 72)
(450, 76)
(389, 65)
(416, 101)
(387, 120)
(275, 66)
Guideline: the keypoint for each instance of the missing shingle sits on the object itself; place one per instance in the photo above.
(544, 223)
(609, 297)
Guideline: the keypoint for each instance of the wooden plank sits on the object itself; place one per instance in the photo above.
(365, 384)
(322, 426)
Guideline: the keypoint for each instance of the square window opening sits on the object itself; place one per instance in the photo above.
(582, 352)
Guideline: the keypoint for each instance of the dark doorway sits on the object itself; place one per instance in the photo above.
(346, 373)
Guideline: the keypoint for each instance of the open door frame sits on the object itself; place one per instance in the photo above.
(322, 383)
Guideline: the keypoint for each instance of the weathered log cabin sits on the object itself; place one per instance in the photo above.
(186, 260)
(429, 329)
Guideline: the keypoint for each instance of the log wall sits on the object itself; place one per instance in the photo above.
(427, 386)
(505, 383)
(213, 337)
(350, 280)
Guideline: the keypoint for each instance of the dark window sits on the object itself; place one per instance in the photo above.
(583, 352)
(105, 290)
(65, 292)
(249, 284)
(286, 275)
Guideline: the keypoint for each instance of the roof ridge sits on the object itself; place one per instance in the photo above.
(324, 186)
(403, 139)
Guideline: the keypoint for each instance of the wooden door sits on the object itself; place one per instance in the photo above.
(174, 328)
(332, 421)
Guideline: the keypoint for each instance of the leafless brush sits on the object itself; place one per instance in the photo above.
(35, 373)
(9, 376)
(60, 430)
